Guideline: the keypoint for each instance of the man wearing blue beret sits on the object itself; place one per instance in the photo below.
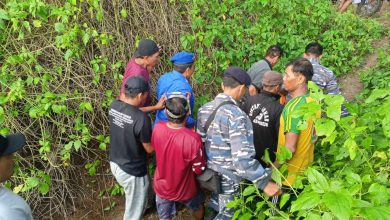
(177, 81)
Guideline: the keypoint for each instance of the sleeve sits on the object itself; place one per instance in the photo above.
(291, 123)
(145, 129)
(243, 152)
(199, 127)
(199, 161)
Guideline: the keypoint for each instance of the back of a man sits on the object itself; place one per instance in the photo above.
(323, 77)
(258, 69)
(264, 111)
(179, 157)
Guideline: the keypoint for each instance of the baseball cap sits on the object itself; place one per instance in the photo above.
(183, 58)
(272, 78)
(146, 47)
(238, 74)
(135, 85)
(11, 143)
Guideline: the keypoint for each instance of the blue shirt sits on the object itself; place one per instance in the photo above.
(174, 82)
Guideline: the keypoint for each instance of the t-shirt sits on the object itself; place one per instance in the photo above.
(179, 156)
(264, 111)
(304, 153)
(13, 206)
(257, 70)
(134, 69)
(129, 128)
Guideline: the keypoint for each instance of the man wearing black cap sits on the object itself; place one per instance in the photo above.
(264, 111)
(145, 59)
(180, 157)
(130, 142)
(178, 81)
(228, 143)
(12, 206)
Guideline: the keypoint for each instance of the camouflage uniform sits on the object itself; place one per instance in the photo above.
(327, 81)
(230, 151)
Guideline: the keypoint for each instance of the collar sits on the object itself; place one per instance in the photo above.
(314, 60)
(269, 94)
(269, 64)
(178, 74)
(224, 97)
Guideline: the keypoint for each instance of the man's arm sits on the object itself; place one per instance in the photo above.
(158, 106)
(199, 162)
(291, 140)
(148, 147)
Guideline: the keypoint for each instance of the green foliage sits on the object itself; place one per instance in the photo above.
(350, 176)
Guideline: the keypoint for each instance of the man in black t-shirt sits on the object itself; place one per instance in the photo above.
(130, 141)
(264, 110)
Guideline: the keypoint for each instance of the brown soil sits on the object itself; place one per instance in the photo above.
(350, 83)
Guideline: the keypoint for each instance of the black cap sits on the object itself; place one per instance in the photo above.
(146, 47)
(135, 85)
(11, 143)
(238, 74)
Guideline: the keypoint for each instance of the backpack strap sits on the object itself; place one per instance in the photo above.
(212, 116)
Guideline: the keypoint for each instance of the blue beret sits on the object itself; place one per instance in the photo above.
(183, 58)
(238, 74)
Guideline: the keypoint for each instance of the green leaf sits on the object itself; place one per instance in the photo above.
(103, 146)
(285, 197)
(2, 115)
(317, 181)
(123, 13)
(245, 216)
(44, 188)
(339, 203)
(284, 155)
(59, 27)
(386, 125)
(249, 190)
(313, 216)
(325, 127)
(3, 15)
(77, 145)
(32, 182)
(37, 23)
(305, 201)
(377, 213)
(351, 145)
(85, 38)
(68, 54)
(86, 105)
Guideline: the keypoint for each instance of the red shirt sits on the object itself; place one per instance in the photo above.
(180, 156)
(134, 69)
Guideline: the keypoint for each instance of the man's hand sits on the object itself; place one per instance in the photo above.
(271, 189)
(160, 103)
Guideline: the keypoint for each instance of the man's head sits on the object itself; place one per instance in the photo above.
(149, 52)
(313, 50)
(273, 54)
(8, 145)
(298, 73)
(235, 81)
(272, 82)
(177, 109)
(136, 89)
(183, 62)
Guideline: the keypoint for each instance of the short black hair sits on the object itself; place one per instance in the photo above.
(131, 95)
(274, 51)
(181, 68)
(178, 107)
(314, 48)
(302, 66)
(230, 82)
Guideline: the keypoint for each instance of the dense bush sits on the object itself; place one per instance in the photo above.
(61, 64)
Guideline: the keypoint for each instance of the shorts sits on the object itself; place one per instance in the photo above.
(166, 209)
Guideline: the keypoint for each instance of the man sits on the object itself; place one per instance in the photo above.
(180, 157)
(323, 77)
(344, 4)
(130, 136)
(145, 59)
(177, 81)
(256, 72)
(299, 142)
(264, 111)
(229, 143)
(12, 206)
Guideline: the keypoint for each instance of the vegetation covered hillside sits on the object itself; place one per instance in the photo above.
(61, 65)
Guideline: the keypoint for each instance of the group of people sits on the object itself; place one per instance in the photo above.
(229, 136)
